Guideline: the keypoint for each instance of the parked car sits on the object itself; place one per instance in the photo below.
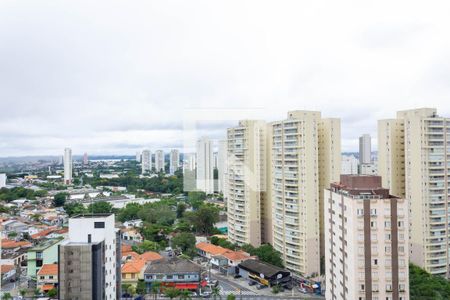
(251, 282)
(261, 286)
(237, 276)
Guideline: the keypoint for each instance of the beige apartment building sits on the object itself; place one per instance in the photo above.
(305, 157)
(366, 241)
(246, 184)
(414, 158)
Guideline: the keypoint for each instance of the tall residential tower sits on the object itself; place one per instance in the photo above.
(413, 159)
(67, 166)
(205, 162)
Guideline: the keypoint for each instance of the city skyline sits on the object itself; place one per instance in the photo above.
(93, 83)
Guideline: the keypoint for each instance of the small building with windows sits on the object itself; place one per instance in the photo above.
(47, 277)
(178, 273)
(264, 273)
(43, 253)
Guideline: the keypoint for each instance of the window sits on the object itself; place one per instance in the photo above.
(169, 276)
(50, 277)
(362, 287)
(99, 224)
(42, 277)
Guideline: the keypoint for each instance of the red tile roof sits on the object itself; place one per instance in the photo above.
(48, 269)
(134, 266)
(211, 249)
(8, 244)
(150, 256)
(6, 268)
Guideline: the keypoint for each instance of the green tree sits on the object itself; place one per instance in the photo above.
(75, 208)
(215, 292)
(52, 293)
(157, 214)
(185, 295)
(100, 207)
(129, 212)
(196, 199)
(171, 292)
(141, 287)
(146, 246)
(6, 296)
(184, 241)
(269, 255)
(424, 286)
(204, 218)
(131, 290)
(181, 208)
(231, 297)
(155, 288)
(60, 199)
(23, 292)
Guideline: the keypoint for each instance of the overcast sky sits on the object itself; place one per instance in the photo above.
(114, 77)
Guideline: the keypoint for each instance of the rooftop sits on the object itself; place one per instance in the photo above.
(89, 216)
(361, 186)
(260, 267)
(172, 266)
(48, 269)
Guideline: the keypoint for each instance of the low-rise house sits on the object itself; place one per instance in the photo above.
(150, 256)
(133, 223)
(14, 226)
(17, 257)
(178, 273)
(47, 277)
(44, 253)
(222, 259)
(264, 273)
(7, 272)
(130, 235)
(133, 271)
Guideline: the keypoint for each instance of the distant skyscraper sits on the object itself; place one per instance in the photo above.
(89, 261)
(246, 182)
(222, 165)
(189, 161)
(349, 164)
(2, 180)
(85, 159)
(159, 161)
(413, 159)
(174, 161)
(146, 161)
(138, 156)
(366, 241)
(205, 170)
(67, 166)
(365, 149)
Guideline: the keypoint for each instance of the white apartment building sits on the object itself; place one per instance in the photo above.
(205, 170)
(159, 161)
(349, 164)
(89, 264)
(249, 212)
(2, 180)
(146, 164)
(305, 156)
(138, 156)
(366, 241)
(68, 166)
(365, 149)
(222, 166)
(189, 162)
(174, 161)
(414, 155)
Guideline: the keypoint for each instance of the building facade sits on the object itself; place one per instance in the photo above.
(146, 161)
(365, 149)
(366, 241)
(68, 166)
(349, 165)
(222, 165)
(246, 183)
(414, 155)
(89, 262)
(305, 155)
(2, 180)
(174, 164)
(205, 162)
(159, 161)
